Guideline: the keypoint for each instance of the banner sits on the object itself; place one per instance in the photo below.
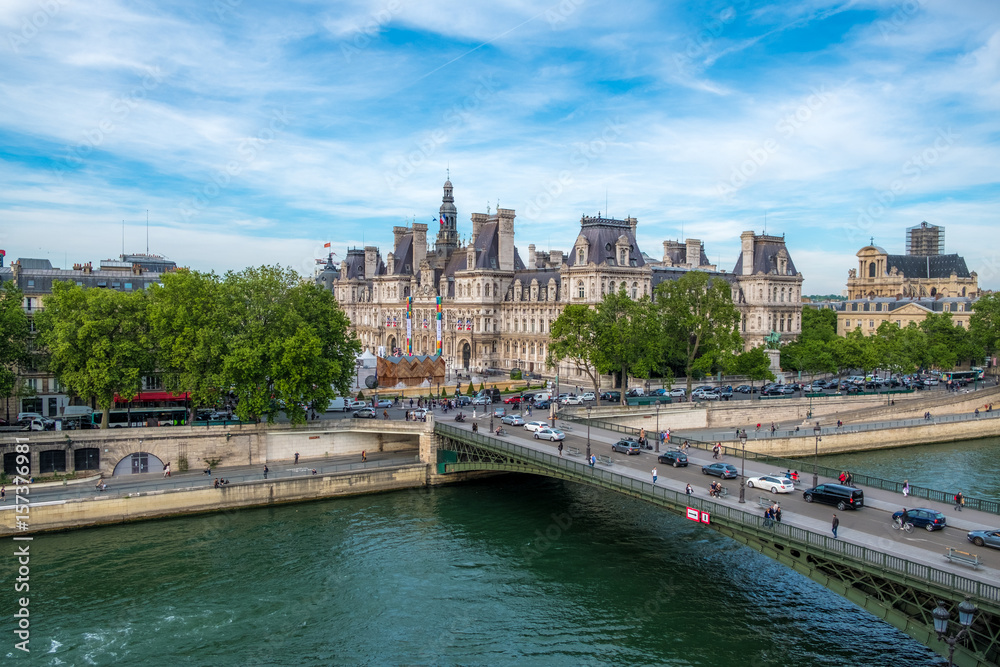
(438, 347)
(409, 326)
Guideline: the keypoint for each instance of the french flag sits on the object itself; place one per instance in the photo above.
(442, 219)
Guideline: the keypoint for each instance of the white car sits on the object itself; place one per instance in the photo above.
(551, 434)
(534, 426)
(705, 394)
(589, 396)
(572, 399)
(771, 483)
(357, 405)
(788, 480)
(679, 391)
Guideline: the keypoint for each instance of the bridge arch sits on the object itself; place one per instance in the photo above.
(138, 463)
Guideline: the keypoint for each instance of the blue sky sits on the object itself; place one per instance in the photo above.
(253, 132)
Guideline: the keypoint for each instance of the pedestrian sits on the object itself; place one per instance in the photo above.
(835, 525)
(773, 428)
(411, 403)
(795, 475)
(654, 475)
(667, 432)
(296, 457)
(906, 488)
(266, 470)
(364, 455)
(215, 483)
(3, 494)
(977, 413)
(166, 469)
(385, 414)
(959, 501)
(715, 451)
(593, 460)
(560, 449)
(689, 490)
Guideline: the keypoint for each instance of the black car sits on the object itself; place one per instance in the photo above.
(924, 518)
(844, 497)
(611, 396)
(723, 470)
(463, 400)
(673, 457)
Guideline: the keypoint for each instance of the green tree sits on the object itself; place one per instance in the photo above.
(573, 337)
(97, 341)
(627, 337)
(287, 343)
(984, 324)
(186, 322)
(15, 335)
(699, 318)
(754, 364)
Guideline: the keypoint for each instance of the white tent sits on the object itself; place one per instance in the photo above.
(367, 359)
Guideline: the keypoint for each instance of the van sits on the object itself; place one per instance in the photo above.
(844, 497)
(337, 404)
(543, 396)
(493, 394)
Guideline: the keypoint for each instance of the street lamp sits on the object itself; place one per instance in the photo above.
(589, 408)
(942, 616)
(743, 471)
(657, 436)
(816, 431)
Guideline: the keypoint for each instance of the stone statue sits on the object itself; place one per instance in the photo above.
(852, 273)
(772, 341)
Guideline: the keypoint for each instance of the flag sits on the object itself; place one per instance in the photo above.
(326, 245)
(442, 219)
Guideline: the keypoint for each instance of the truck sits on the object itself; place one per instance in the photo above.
(338, 403)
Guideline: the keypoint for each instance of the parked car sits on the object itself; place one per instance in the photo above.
(512, 420)
(542, 405)
(632, 393)
(723, 470)
(589, 396)
(989, 538)
(481, 400)
(626, 447)
(706, 394)
(678, 392)
(357, 405)
(463, 400)
(611, 396)
(500, 412)
(673, 457)
(513, 400)
(573, 399)
(726, 393)
(364, 413)
(844, 497)
(922, 517)
(534, 426)
(551, 434)
(384, 403)
(771, 483)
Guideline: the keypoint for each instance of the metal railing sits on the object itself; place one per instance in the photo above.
(981, 504)
(725, 514)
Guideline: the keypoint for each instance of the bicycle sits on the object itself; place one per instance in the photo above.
(898, 524)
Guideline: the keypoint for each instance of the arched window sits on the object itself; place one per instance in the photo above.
(580, 256)
(487, 289)
(477, 289)
(782, 293)
(759, 322)
(635, 290)
(871, 270)
(581, 289)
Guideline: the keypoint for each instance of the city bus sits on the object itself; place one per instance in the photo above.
(963, 376)
(119, 418)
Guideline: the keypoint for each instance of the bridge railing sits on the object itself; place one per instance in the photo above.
(732, 515)
(981, 504)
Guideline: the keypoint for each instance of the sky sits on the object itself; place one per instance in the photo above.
(254, 132)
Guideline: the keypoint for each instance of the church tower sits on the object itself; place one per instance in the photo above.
(447, 238)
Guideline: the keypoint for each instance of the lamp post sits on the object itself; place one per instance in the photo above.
(589, 408)
(816, 431)
(942, 616)
(657, 436)
(743, 470)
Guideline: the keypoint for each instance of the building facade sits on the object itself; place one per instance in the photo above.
(34, 277)
(498, 305)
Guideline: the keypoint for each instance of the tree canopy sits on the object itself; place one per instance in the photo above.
(14, 337)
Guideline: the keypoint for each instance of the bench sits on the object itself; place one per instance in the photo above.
(572, 451)
(723, 492)
(765, 502)
(605, 460)
(963, 557)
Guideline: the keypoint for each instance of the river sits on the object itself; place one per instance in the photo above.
(514, 570)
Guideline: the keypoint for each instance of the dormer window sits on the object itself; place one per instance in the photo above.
(580, 256)
(623, 254)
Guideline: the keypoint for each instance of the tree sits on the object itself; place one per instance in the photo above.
(15, 335)
(948, 344)
(698, 316)
(984, 324)
(186, 322)
(627, 337)
(97, 342)
(573, 336)
(754, 364)
(287, 344)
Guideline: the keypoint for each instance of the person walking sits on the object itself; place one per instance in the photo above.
(166, 469)
(835, 525)
(654, 475)
(3, 494)
(266, 470)
(593, 460)
(906, 488)
(364, 455)
(296, 457)
(689, 491)
(560, 449)
(959, 501)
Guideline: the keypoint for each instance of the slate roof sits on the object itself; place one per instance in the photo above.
(355, 261)
(603, 234)
(664, 273)
(34, 264)
(928, 266)
(889, 304)
(403, 256)
(488, 247)
(765, 259)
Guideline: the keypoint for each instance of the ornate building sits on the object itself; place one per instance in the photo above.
(767, 289)
(497, 307)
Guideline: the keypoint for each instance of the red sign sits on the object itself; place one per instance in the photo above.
(705, 517)
(692, 514)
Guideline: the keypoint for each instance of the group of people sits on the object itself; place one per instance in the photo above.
(715, 489)
(773, 512)
(220, 482)
(716, 450)
(846, 478)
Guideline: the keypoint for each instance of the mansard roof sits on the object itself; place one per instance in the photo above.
(928, 266)
(765, 257)
(355, 262)
(602, 234)
(403, 256)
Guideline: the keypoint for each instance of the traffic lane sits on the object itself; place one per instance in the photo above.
(195, 479)
(873, 522)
